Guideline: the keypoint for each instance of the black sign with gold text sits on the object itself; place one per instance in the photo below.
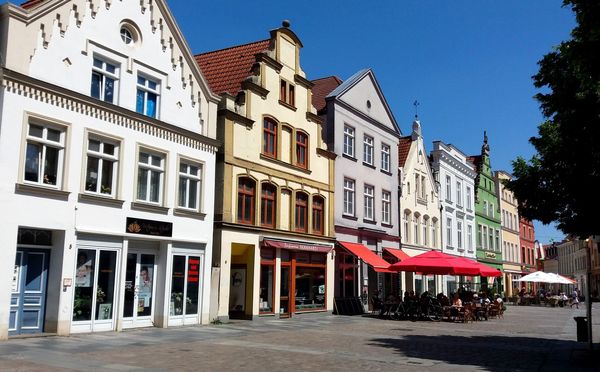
(149, 227)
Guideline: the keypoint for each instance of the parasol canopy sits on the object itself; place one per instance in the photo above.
(438, 263)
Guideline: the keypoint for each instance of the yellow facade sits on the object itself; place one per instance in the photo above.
(511, 242)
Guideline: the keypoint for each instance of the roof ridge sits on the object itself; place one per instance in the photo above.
(231, 47)
(329, 77)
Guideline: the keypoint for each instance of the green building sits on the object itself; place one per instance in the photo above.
(487, 212)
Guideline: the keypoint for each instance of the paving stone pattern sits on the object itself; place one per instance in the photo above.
(528, 338)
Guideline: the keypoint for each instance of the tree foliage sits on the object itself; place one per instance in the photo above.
(561, 182)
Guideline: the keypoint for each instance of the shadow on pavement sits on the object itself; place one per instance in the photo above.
(495, 353)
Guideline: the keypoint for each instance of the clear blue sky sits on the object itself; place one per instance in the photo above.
(469, 63)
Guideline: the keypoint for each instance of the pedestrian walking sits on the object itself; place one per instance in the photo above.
(575, 299)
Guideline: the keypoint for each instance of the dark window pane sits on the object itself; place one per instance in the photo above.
(130, 285)
(105, 303)
(91, 178)
(95, 86)
(32, 162)
(177, 285)
(51, 166)
(84, 284)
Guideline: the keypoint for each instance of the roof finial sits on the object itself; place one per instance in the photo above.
(486, 147)
(485, 138)
(416, 104)
(286, 23)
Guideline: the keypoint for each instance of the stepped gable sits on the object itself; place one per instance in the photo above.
(226, 69)
(322, 87)
(404, 149)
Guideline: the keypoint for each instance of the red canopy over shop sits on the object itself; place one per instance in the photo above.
(484, 270)
(438, 263)
(368, 256)
(397, 253)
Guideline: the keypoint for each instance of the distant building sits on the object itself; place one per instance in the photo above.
(487, 212)
(456, 177)
(421, 226)
(510, 233)
(529, 255)
(572, 262)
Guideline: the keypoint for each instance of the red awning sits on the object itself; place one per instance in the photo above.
(297, 246)
(434, 262)
(484, 270)
(398, 253)
(368, 256)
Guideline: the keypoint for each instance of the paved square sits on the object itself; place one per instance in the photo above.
(528, 338)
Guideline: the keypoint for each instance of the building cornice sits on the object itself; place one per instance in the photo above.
(42, 91)
(235, 117)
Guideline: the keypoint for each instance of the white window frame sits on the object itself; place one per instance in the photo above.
(484, 241)
(369, 199)
(44, 143)
(102, 159)
(406, 227)
(469, 205)
(385, 157)
(349, 197)
(104, 73)
(386, 207)
(449, 232)
(470, 237)
(416, 237)
(459, 234)
(368, 149)
(448, 188)
(459, 201)
(185, 176)
(349, 141)
(152, 154)
(433, 233)
(424, 223)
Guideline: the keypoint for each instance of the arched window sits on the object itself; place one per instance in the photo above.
(301, 212)
(425, 238)
(268, 205)
(318, 222)
(270, 138)
(406, 226)
(245, 207)
(301, 150)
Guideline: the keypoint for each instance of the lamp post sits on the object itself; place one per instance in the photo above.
(588, 294)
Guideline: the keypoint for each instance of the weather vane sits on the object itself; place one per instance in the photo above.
(416, 104)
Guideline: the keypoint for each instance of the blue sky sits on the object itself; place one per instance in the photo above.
(469, 63)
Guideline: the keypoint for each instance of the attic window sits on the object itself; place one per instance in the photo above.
(368, 104)
(129, 33)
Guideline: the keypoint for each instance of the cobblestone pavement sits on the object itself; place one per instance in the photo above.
(528, 338)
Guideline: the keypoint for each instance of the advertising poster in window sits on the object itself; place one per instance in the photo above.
(237, 294)
(83, 277)
(145, 287)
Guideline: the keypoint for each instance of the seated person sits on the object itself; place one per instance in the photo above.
(456, 304)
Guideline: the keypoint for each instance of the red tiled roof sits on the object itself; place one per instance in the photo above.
(31, 4)
(322, 88)
(404, 149)
(475, 160)
(225, 69)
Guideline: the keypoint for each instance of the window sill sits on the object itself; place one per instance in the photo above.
(350, 217)
(369, 165)
(449, 201)
(285, 104)
(22, 188)
(98, 199)
(284, 164)
(189, 213)
(349, 157)
(387, 225)
(386, 172)
(146, 207)
(370, 222)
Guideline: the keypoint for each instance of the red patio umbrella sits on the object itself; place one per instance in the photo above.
(434, 262)
(484, 270)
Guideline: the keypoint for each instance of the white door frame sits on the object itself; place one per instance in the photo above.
(136, 321)
(175, 320)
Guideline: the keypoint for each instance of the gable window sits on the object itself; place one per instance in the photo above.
(147, 97)
(270, 138)
(301, 212)
(151, 169)
(268, 205)
(190, 182)
(44, 155)
(287, 93)
(348, 141)
(349, 197)
(369, 202)
(101, 166)
(245, 201)
(448, 189)
(368, 150)
(318, 221)
(104, 80)
(386, 207)
(301, 150)
(385, 157)
(424, 188)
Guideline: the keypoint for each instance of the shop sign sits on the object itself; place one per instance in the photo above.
(297, 246)
(149, 227)
(193, 270)
(490, 255)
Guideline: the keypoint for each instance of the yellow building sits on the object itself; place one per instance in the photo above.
(511, 265)
(274, 193)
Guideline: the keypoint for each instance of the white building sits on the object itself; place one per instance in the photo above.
(572, 262)
(419, 207)
(107, 152)
(457, 182)
(362, 131)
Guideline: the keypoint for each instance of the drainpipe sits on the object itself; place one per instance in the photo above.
(588, 294)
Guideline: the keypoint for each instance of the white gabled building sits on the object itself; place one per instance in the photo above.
(107, 151)
(456, 176)
(419, 207)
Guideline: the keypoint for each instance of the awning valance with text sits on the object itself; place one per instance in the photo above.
(297, 246)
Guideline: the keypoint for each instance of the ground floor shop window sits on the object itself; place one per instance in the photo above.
(185, 285)
(94, 285)
(347, 271)
(267, 282)
(310, 282)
